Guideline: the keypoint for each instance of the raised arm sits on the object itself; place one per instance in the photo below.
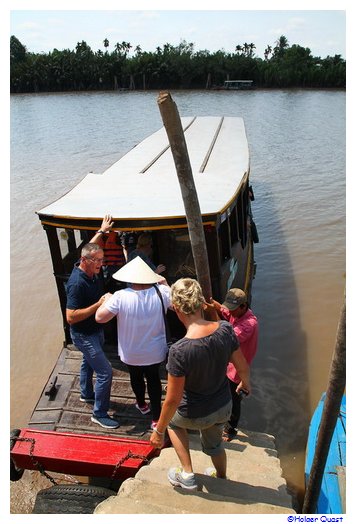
(105, 227)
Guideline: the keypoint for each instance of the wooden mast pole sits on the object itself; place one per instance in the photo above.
(333, 397)
(173, 125)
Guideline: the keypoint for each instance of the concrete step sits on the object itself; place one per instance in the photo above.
(254, 488)
(254, 485)
(256, 480)
(138, 496)
(238, 461)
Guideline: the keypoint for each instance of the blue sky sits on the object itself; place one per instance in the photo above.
(322, 30)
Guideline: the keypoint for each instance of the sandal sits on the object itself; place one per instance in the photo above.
(228, 434)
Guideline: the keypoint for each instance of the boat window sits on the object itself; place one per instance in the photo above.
(241, 213)
(69, 240)
(224, 238)
(234, 233)
(69, 243)
(63, 241)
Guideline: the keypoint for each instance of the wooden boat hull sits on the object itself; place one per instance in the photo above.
(332, 487)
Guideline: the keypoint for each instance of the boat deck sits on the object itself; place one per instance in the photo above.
(60, 409)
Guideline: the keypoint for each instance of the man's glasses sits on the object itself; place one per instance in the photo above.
(101, 260)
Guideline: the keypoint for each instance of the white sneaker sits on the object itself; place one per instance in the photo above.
(211, 472)
(175, 477)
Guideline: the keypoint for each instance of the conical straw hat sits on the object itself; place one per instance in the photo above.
(137, 272)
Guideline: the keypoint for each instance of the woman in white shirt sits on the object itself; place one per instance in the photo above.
(142, 344)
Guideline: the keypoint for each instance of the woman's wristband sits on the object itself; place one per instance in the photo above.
(158, 432)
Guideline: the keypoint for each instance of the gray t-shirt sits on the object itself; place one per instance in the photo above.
(203, 363)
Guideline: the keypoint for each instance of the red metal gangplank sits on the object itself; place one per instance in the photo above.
(81, 454)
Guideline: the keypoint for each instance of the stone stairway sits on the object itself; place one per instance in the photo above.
(254, 484)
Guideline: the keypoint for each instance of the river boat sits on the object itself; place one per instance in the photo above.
(236, 85)
(332, 493)
(141, 191)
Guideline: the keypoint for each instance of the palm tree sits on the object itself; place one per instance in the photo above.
(126, 46)
(281, 45)
(267, 52)
(246, 48)
(282, 42)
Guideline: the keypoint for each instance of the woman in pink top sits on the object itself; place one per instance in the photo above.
(235, 310)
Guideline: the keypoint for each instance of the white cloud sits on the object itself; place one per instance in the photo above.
(29, 25)
(148, 15)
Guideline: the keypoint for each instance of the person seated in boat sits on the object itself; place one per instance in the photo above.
(198, 396)
(114, 257)
(84, 296)
(144, 249)
(129, 242)
(235, 309)
(142, 343)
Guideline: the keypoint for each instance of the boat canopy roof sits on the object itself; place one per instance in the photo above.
(144, 185)
(238, 82)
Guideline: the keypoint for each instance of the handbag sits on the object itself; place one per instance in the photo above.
(168, 333)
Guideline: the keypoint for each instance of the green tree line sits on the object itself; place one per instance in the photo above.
(170, 67)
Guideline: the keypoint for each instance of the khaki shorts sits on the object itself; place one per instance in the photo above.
(210, 428)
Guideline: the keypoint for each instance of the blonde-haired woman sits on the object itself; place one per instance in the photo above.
(198, 395)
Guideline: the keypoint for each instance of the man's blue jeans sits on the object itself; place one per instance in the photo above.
(94, 359)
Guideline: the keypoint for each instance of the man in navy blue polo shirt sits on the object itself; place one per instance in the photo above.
(84, 296)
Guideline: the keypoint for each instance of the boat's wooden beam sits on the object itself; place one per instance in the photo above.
(173, 126)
